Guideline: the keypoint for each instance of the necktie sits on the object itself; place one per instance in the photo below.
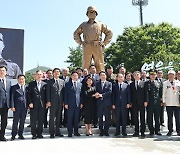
(120, 87)
(2, 80)
(75, 88)
(102, 85)
(57, 84)
(39, 86)
(136, 85)
(22, 89)
(159, 80)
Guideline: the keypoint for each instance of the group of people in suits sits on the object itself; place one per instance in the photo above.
(104, 98)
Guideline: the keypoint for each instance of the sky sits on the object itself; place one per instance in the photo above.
(49, 24)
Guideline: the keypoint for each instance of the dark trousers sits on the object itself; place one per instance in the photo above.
(113, 120)
(64, 121)
(173, 110)
(153, 111)
(37, 118)
(45, 117)
(73, 119)
(104, 110)
(54, 121)
(162, 115)
(19, 116)
(136, 111)
(121, 118)
(130, 118)
(4, 114)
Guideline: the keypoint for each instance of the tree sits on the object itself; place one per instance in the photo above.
(145, 44)
(29, 78)
(75, 58)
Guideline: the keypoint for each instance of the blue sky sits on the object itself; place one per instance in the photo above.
(49, 24)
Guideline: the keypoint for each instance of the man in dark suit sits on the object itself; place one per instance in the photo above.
(49, 76)
(153, 91)
(121, 101)
(5, 86)
(103, 95)
(18, 104)
(160, 79)
(65, 77)
(137, 101)
(73, 103)
(37, 104)
(55, 97)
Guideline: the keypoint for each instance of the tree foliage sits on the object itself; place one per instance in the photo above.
(139, 45)
(29, 77)
(147, 43)
(75, 58)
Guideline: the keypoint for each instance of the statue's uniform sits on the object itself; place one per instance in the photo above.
(92, 48)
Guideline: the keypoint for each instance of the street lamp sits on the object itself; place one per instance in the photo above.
(140, 3)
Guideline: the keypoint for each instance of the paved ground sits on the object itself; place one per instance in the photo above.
(91, 145)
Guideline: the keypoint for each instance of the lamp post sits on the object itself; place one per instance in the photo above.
(140, 3)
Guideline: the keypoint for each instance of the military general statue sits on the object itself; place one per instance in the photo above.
(92, 42)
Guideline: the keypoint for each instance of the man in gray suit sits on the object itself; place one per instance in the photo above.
(55, 92)
(5, 86)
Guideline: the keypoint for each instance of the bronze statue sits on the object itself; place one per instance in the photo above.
(92, 43)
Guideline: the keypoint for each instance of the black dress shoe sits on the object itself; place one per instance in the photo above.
(169, 134)
(40, 136)
(163, 125)
(21, 137)
(136, 134)
(12, 138)
(143, 135)
(77, 134)
(117, 134)
(101, 134)
(59, 135)
(91, 134)
(158, 133)
(29, 126)
(124, 134)
(69, 135)
(52, 136)
(34, 137)
(178, 133)
(106, 134)
(3, 139)
(151, 133)
(87, 134)
(95, 126)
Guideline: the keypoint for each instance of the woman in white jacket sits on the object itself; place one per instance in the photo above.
(171, 90)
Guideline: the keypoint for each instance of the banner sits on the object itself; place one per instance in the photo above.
(12, 51)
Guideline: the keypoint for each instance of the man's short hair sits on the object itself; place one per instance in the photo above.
(48, 71)
(136, 72)
(92, 65)
(20, 75)
(38, 71)
(79, 69)
(3, 67)
(120, 74)
(102, 72)
(56, 69)
(73, 72)
(109, 67)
